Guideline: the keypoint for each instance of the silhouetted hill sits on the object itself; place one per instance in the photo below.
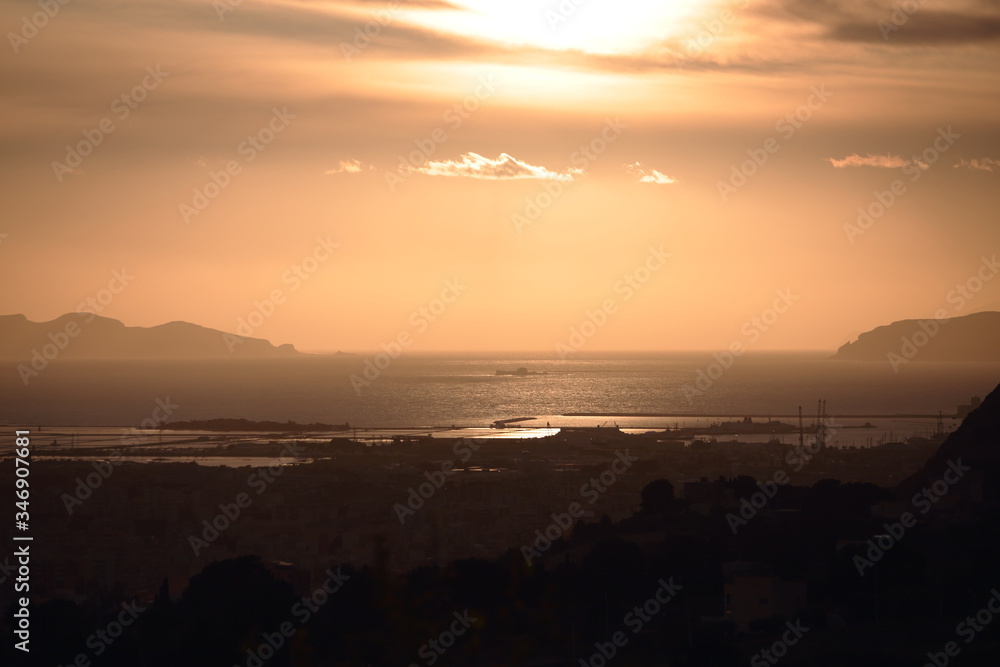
(977, 443)
(87, 336)
(973, 337)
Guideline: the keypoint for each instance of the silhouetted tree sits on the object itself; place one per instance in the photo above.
(658, 497)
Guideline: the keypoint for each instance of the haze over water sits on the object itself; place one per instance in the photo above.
(436, 390)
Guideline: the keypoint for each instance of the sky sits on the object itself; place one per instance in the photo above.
(510, 175)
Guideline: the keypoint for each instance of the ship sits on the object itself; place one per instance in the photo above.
(520, 372)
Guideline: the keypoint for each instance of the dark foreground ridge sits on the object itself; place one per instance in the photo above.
(977, 443)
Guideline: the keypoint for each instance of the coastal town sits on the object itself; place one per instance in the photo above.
(408, 502)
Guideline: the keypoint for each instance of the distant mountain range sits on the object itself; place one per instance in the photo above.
(88, 336)
(973, 337)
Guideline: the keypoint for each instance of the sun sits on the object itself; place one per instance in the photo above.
(595, 26)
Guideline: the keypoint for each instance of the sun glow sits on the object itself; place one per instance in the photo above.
(595, 26)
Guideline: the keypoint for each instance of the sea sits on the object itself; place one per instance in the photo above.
(464, 390)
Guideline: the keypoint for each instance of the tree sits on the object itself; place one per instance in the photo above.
(658, 497)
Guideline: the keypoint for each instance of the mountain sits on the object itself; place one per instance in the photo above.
(88, 336)
(973, 337)
(975, 445)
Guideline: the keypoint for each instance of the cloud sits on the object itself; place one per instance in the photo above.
(926, 27)
(425, 4)
(349, 167)
(334, 24)
(649, 175)
(891, 23)
(474, 165)
(887, 161)
(980, 164)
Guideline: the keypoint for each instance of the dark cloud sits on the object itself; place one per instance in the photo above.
(892, 24)
(922, 27)
(421, 4)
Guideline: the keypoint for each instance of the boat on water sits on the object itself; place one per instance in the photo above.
(522, 371)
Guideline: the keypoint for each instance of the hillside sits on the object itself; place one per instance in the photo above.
(87, 336)
(976, 443)
(974, 337)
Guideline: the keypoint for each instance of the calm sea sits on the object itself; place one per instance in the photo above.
(439, 390)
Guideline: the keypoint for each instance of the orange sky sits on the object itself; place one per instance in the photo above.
(245, 150)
